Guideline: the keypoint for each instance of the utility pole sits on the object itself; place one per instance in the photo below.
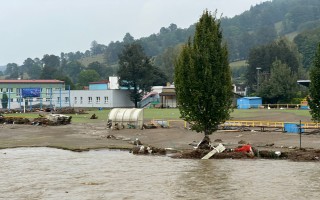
(258, 77)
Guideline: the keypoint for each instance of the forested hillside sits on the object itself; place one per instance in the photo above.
(249, 32)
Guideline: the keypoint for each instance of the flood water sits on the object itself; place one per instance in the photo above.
(45, 173)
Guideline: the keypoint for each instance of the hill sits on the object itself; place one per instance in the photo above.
(260, 25)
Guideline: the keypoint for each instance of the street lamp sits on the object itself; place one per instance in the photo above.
(258, 77)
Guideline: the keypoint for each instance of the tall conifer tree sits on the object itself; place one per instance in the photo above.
(203, 78)
(314, 89)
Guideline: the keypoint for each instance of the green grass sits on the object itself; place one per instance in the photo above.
(172, 113)
(167, 114)
(238, 64)
(87, 60)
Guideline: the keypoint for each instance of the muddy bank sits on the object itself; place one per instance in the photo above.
(296, 155)
(87, 136)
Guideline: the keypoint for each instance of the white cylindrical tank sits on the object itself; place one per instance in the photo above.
(126, 118)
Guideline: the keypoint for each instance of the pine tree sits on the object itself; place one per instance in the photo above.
(314, 92)
(203, 78)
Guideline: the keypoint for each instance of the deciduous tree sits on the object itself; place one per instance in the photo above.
(136, 72)
(87, 76)
(203, 78)
(281, 86)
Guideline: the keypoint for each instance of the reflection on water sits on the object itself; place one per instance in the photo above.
(44, 173)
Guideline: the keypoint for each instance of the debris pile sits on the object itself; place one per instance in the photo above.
(69, 111)
(94, 116)
(14, 120)
(52, 120)
(141, 149)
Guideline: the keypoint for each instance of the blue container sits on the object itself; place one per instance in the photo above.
(292, 128)
(304, 107)
(249, 102)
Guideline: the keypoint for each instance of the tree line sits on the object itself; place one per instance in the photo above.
(253, 35)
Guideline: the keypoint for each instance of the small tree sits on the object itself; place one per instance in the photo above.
(203, 78)
(4, 101)
(281, 86)
(87, 76)
(314, 92)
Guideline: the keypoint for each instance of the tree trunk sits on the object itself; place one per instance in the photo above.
(205, 143)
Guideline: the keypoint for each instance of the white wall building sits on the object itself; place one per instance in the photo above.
(94, 99)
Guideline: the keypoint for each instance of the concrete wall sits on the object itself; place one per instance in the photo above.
(95, 99)
(113, 82)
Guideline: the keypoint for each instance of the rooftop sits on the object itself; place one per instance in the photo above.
(99, 82)
(31, 81)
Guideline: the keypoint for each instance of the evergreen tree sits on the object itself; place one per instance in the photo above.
(4, 100)
(314, 96)
(203, 78)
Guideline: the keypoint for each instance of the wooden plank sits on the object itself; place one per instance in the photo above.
(220, 148)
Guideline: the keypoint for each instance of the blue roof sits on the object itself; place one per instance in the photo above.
(251, 98)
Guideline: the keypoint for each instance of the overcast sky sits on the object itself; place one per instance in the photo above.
(32, 28)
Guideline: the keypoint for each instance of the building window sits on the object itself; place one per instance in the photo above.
(97, 99)
(81, 99)
(18, 91)
(10, 90)
(66, 99)
(75, 100)
(48, 99)
(106, 100)
(89, 99)
(1, 90)
(58, 99)
(19, 100)
(48, 91)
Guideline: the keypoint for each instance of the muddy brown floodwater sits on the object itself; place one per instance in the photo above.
(49, 173)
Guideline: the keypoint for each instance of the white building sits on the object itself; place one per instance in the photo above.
(94, 99)
(52, 93)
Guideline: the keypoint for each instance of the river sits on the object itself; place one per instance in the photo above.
(47, 173)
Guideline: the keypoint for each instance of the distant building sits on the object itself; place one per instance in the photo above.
(160, 97)
(52, 93)
(100, 94)
(30, 92)
(304, 82)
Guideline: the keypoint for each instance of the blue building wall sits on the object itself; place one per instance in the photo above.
(249, 102)
(102, 86)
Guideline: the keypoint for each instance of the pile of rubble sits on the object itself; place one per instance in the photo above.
(52, 120)
(13, 120)
(69, 111)
(48, 120)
